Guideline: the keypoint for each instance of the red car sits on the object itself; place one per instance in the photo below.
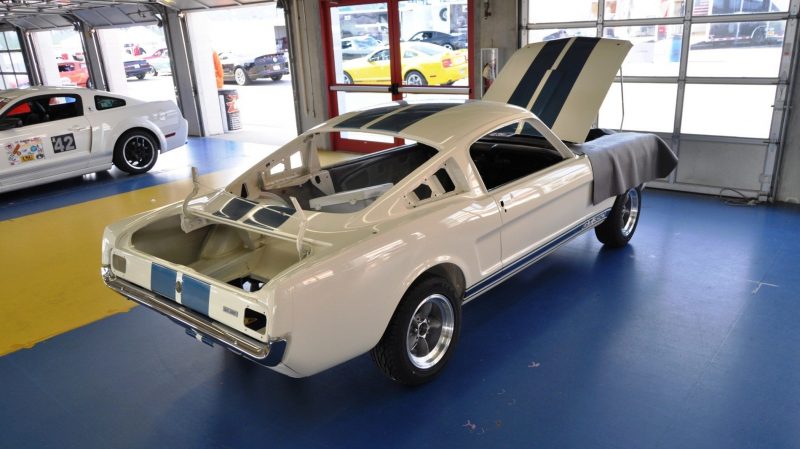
(73, 73)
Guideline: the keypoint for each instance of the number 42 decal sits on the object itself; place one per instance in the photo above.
(62, 143)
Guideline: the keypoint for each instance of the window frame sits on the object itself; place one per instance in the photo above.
(97, 102)
(773, 143)
(78, 99)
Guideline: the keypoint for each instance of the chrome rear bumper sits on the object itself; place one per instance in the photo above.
(267, 354)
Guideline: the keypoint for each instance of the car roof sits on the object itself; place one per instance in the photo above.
(40, 90)
(437, 124)
(14, 94)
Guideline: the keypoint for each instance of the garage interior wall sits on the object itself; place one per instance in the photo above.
(306, 50)
(719, 99)
(496, 25)
(45, 54)
(111, 41)
(198, 25)
(789, 174)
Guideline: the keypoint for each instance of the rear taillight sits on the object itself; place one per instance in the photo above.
(447, 62)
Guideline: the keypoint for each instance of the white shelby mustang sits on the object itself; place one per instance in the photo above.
(301, 267)
(53, 133)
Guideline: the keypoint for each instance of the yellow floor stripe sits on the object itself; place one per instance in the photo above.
(50, 267)
(50, 264)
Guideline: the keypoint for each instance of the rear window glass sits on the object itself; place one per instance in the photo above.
(103, 103)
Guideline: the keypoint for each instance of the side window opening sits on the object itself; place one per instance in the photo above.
(42, 110)
(438, 185)
(61, 107)
(511, 153)
(102, 103)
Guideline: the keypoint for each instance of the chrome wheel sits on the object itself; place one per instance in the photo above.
(430, 331)
(240, 76)
(347, 79)
(630, 212)
(415, 79)
(138, 152)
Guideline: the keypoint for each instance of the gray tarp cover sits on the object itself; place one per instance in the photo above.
(624, 160)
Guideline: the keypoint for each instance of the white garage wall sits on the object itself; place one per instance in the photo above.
(112, 42)
(46, 54)
(199, 26)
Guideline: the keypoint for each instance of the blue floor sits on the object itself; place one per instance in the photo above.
(687, 338)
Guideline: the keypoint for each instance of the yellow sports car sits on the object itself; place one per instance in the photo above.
(422, 64)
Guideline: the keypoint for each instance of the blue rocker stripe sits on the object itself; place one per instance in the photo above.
(533, 256)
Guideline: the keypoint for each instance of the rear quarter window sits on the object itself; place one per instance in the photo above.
(102, 103)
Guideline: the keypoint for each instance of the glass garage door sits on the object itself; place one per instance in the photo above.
(13, 70)
(709, 76)
(380, 51)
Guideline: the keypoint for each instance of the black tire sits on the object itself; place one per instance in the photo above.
(440, 327)
(276, 77)
(347, 79)
(136, 151)
(448, 46)
(241, 77)
(140, 76)
(414, 78)
(618, 228)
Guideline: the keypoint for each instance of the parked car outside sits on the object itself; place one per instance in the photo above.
(52, 133)
(422, 64)
(136, 68)
(244, 69)
(73, 73)
(358, 46)
(159, 62)
(448, 41)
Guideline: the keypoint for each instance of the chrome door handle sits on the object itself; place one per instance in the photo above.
(79, 128)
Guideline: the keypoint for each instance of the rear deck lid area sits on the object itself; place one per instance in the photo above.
(562, 81)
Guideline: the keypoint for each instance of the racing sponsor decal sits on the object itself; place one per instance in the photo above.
(26, 150)
(62, 143)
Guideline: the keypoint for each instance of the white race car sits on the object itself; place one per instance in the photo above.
(301, 267)
(49, 133)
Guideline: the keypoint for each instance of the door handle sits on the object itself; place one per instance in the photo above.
(77, 128)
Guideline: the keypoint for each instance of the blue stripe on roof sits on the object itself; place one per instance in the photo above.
(409, 116)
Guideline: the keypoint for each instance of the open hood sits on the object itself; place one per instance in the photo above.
(563, 81)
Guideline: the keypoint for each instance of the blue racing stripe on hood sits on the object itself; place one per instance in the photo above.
(533, 76)
(559, 84)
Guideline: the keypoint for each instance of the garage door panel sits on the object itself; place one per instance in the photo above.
(717, 163)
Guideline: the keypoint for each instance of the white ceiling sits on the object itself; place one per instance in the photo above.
(48, 14)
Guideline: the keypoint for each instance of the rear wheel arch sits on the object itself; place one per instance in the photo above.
(424, 328)
(448, 271)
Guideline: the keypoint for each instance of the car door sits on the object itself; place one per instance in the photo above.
(377, 70)
(542, 208)
(46, 135)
